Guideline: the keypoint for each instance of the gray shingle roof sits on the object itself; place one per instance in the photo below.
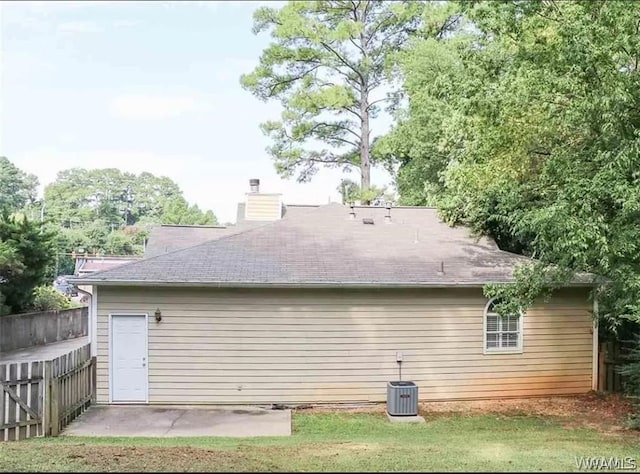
(168, 237)
(322, 246)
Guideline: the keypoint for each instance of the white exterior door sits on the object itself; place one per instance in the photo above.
(129, 376)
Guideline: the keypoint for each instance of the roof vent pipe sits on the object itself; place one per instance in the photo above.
(387, 217)
(352, 214)
(254, 185)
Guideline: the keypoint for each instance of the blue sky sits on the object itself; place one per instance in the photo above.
(144, 86)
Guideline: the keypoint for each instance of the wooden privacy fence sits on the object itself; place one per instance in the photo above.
(41, 398)
(611, 357)
(71, 388)
(22, 390)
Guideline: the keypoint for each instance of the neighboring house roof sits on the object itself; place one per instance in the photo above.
(92, 264)
(169, 237)
(323, 246)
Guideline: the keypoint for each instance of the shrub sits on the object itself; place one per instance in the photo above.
(46, 298)
(633, 422)
(631, 373)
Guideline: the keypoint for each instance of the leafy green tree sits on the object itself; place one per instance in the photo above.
(327, 62)
(178, 211)
(118, 243)
(631, 377)
(151, 194)
(524, 124)
(116, 198)
(106, 211)
(17, 188)
(80, 196)
(349, 191)
(26, 253)
(10, 267)
(47, 298)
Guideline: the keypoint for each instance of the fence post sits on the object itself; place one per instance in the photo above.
(46, 399)
(94, 370)
(602, 367)
(54, 406)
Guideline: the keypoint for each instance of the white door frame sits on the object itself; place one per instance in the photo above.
(146, 351)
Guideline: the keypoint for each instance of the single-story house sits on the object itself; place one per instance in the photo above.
(315, 304)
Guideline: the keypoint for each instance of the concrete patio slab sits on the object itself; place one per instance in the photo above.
(169, 421)
(43, 352)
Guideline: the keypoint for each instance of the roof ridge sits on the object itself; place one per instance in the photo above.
(430, 208)
(196, 226)
(224, 237)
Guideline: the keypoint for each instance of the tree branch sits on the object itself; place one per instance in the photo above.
(354, 112)
(354, 10)
(345, 141)
(448, 23)
(376, 101)
(332, 159)
(342, 60)
(337, 126)
(358, 47)
(292, 79)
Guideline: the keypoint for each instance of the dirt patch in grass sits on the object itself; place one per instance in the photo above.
(612, 407)
(343, 408)
(243, 458)
(98, 458)
(606, 412)
(132, 458)
(593, 410)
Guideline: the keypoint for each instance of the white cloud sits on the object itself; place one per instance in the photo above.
(198, 3)
(44, 7)
(125, 23)
(71, 27)
(255, 4)
(227, 70)
(214, 5)
(38, 11)
(68, 138)
(152, 107)
(18, 64)
(44, 16)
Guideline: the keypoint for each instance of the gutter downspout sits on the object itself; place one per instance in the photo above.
(92, 317)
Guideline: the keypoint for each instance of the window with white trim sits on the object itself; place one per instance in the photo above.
(502, 333)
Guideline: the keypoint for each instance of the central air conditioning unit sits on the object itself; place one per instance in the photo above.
(402, 398)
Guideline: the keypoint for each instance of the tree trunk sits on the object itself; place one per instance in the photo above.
(365, 165)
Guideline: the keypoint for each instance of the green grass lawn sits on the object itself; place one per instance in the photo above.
(341, 442)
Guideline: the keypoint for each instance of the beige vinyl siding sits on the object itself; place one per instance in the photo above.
(297, 346)
(263, 207)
